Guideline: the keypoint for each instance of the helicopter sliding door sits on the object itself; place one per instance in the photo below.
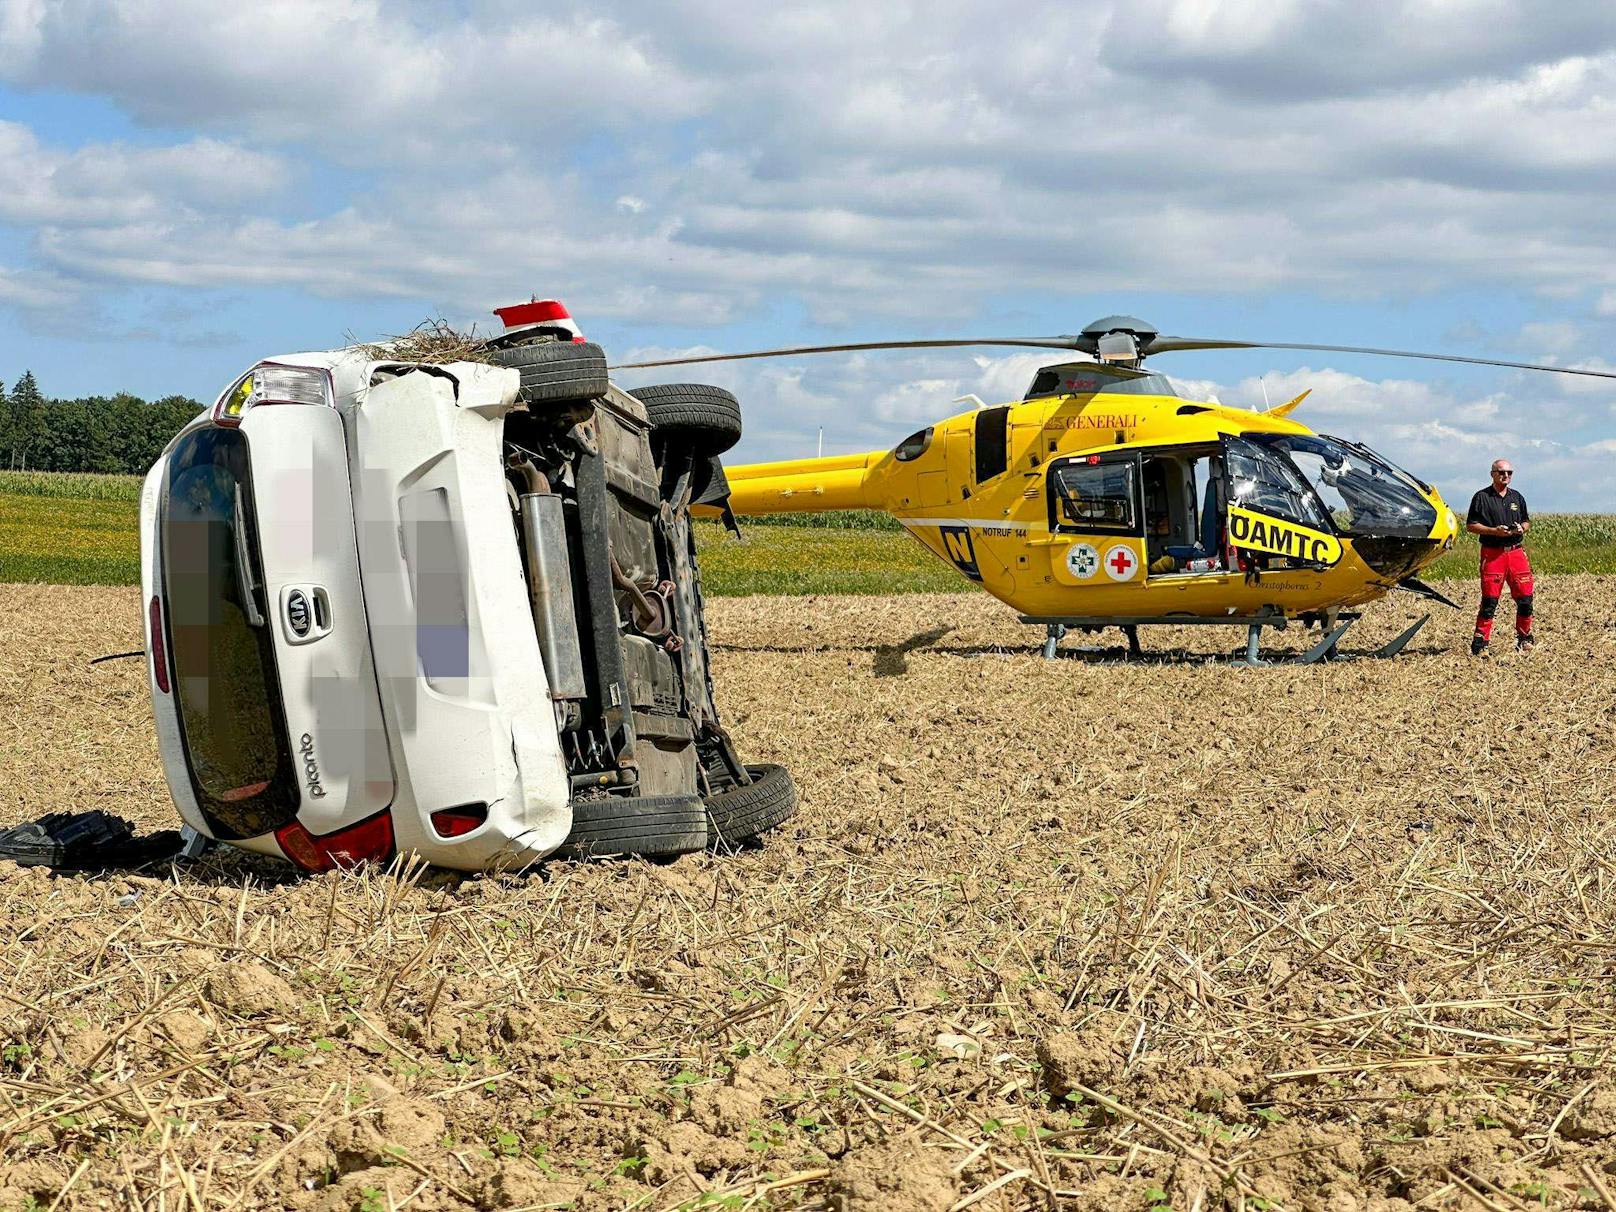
(1274, 516)
(1096, 502)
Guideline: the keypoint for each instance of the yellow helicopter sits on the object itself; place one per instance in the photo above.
(1105, 499)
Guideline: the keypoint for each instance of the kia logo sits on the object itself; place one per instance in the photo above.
(297, 612)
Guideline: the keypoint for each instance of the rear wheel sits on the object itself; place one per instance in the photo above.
(653, 825)
(739, 814)
(705, 419)
(556, 370)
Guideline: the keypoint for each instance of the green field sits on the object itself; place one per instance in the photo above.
(69, 540)
(798, 560)
(1559, 542)
(81, 530)
(77, 485)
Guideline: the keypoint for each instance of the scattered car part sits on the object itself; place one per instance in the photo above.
(85, 841)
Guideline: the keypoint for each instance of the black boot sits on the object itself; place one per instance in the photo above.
(1477, 645)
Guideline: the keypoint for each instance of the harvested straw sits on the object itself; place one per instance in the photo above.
(1300, 938)
(433, 341)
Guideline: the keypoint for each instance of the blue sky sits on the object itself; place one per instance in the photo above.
(189, 189)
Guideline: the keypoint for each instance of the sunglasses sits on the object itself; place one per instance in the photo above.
(1503, 473)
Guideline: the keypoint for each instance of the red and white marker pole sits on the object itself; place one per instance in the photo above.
(541, 314)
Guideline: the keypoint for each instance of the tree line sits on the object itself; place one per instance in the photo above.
(120, 434)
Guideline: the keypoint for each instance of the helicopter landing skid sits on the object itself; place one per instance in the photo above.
(1325, 650)
(1054, 633)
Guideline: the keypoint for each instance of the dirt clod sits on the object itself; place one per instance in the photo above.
(1071, 1059)
(515, 1183)
(247, 988)
(896, 1176)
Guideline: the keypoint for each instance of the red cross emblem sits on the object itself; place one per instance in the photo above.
(1120, 563)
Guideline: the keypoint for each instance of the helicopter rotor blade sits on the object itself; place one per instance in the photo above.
(1075, 343)
(1164, 344)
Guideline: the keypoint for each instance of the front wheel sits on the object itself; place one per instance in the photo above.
(739, 814)
(651, 825)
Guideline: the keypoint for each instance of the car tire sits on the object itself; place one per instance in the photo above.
(706, 419)
(739, 814)
(556, 371)
(650, 825)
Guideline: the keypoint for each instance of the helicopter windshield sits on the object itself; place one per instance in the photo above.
(1266, 481)
(1364, 493)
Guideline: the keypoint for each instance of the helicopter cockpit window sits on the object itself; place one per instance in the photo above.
(1364, 493)
(913, 446)
(1095, 496)
(1266, 481)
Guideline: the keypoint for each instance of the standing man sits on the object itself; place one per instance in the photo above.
(1498, 515)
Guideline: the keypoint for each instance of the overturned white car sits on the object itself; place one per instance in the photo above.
(449, 609)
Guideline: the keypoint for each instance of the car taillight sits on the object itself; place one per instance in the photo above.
(270, 383)
(159, 650)
(371, 840)
(454, 822)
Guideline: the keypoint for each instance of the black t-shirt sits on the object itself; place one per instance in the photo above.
(1491, 509)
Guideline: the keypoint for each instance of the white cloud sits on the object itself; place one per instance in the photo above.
(1285, 50)
(32, 291)
(873, 168)
(867, 183)
(107, 183)
(368, 80)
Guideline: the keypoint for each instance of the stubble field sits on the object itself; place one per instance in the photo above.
(1043, 934)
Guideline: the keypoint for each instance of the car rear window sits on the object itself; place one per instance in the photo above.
(219, 639)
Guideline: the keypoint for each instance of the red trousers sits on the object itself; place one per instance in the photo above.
(1498, 568)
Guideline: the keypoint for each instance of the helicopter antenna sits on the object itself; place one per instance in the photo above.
(1263, 379)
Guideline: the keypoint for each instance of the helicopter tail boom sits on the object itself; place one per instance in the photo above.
(801, 485)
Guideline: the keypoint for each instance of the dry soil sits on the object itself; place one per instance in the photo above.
(1068, 934)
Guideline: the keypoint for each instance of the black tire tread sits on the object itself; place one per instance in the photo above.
(739, 814)
(707, 417)
(557, 371)
(626, 825)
